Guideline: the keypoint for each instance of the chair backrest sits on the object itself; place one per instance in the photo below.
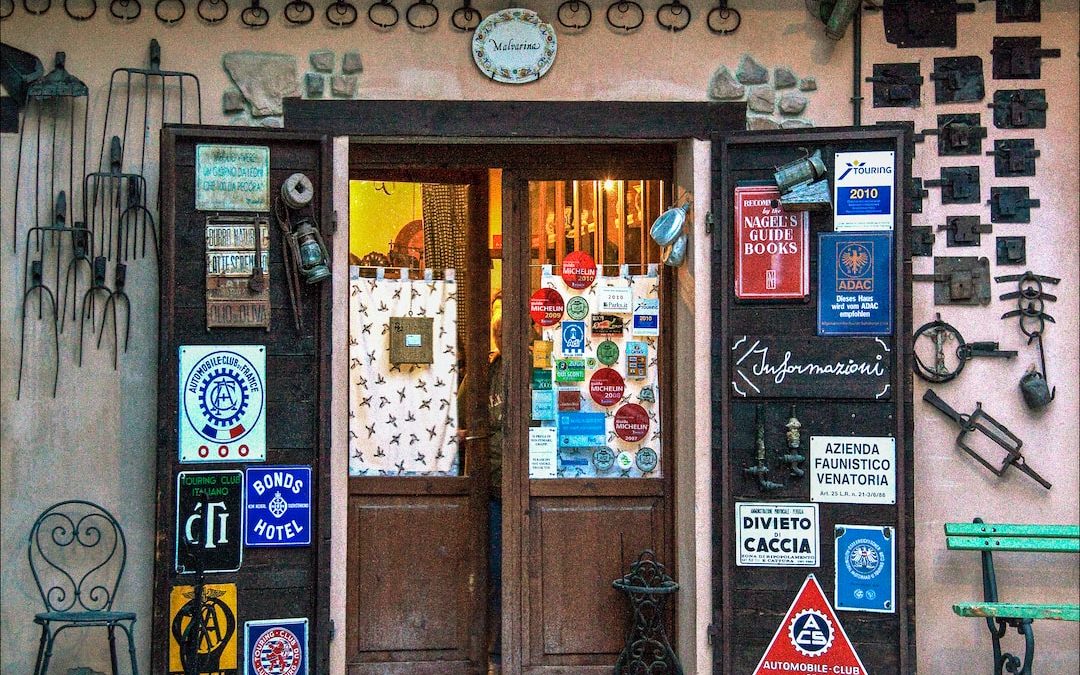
(77, 554)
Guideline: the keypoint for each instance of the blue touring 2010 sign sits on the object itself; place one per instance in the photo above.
(278, 506)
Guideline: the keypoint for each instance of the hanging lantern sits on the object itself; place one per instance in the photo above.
(314, 260)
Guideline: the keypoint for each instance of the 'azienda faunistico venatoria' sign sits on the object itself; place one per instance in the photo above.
(514, 46)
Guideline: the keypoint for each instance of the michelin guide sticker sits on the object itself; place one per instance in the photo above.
(863, 191)
(776, 535)
(853, 469)
(276, 647)
(223, 403)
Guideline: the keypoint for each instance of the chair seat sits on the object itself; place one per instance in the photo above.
(84, 617)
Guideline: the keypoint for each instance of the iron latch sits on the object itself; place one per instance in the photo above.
(914, 194)
(959, 280)
(1011, 205)
(914, 24)
(896, 85)
(1019, 108)
(958, 79)
(964, 230)
(1014, 157)
(958, 134)
(1020, 58)
(922, 241)
(1011, 250)
(959, 184)
(1019, 11)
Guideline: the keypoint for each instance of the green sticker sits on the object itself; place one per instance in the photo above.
(577, 308)
(541, 379)
(569, 370)
(607, 352)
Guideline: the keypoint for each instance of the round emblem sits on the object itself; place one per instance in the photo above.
(864, 559)
(646, 460)
(546, 307)
(607, 352)
(277, 652)
(606, 387)
(855, 260)
(811, 633)
(579, 270)
(631, 422)
(223, 396)
(603, 459)
(577, 308)
(625, 461)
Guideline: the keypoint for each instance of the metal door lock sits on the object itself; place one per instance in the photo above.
(1020, 58)
(1019, 108)
(959, 184)
(958, 79)
(1011, 205)
(916, 24)
(1019, 11)
(958, 134)
(959, 280)
(896, 85)
(1011, 250)
(1014, 157)
(964, 230)
(914, 194)
(922, 241)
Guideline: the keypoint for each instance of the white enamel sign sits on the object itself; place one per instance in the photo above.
(222, 403)
(543, 452)
(776, 535)
(514, 46)
(863, 191)
(853, 469)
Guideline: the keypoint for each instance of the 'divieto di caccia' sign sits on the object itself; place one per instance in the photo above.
(514, 46)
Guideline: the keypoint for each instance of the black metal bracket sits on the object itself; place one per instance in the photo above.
(1018, 11)
(922, 241)
(964, 230)
(1011, 250)
(912, 24)
(1014, 157)
(896, 85)
(940, 333)
(1020, 58)
(958, 79)
(1019, 108)
(959, 280)
(958, 134)
(914, 194)
(1011, 205)
(959, 184)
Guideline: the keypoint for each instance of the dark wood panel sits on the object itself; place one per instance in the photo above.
(600, 487)
(408, 574)
(577, 547)
(411, 668)
(410, 485)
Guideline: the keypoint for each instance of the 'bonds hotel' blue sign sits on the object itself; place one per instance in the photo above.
(855, 283)
(278, 506)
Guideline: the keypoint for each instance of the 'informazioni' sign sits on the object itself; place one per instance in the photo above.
(792, 366)
(853, 469)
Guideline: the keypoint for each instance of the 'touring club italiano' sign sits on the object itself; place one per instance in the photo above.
(514, 46)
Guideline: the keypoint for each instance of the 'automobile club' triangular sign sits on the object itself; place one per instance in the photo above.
(810, 639)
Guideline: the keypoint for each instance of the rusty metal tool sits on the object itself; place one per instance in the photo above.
(1031, 302)
(941, 333)
(97, 286)
(105, 196)
(760, 469)
(37, 283)
(115, 296)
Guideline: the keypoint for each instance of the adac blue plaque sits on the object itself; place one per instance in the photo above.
(865, 569)
(278, 506)
(855, 283)
(222, 401)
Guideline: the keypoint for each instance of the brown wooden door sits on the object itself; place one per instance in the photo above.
(416, 550)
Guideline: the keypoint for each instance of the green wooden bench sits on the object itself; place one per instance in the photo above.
(1000, 616)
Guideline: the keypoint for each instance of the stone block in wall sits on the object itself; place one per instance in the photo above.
(761, 123)
(314, 85)
(724, 87)
(750, 71)
(808, 84)
(344, 85)
(793, 104)
(762, 99)
(783, 78)
(232, 102)
(322, 60)
(351, 63)
(264, 78)
(796, 124)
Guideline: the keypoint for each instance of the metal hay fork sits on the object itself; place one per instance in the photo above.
(77, 555)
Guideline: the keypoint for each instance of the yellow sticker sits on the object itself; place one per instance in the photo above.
(542, 353)
(217, 643)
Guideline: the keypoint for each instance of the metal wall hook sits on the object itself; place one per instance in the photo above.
(212, 11)
(723, 20)
(574, 14)
(465, 17)
(625, 15)
(422, 15)
(299, 12)
(36, 8)
(383, 14)
(673, 16)
(7, 8)
(341, 13)
(255, 15)
(125, 11)
(170, 12)
(85, 16)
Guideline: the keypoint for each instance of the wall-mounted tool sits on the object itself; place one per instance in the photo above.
(1011, 250)
(914, 194)
(896, 85)
(342, 13)
(922, 240)
(298, 12)
(106, 196)
(81, 251)
(1019, 11)
(959, 184)
(625, 15)
(18, 70)
(37, 283)
(1019, 108)
(1011, 205)
(964, 230)
(1020, 58)
(914, 24)
(53, 138)
(255, 15)
(1014, 157)
(958, 79)
(803, 184)
(48, 241)
(979, 421)
(133, 218)
(760, 469)
(794, 457)
(1031, 301)
(959, 280)
(97, 287)
(958, 134)
(940, 334)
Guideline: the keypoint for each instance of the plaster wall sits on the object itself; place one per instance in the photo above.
(96, 439)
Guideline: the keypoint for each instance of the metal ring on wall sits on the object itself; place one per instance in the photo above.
(465, 17)
(673, 16)
(572, 8)
(205, 10)
(421, 7)
(7, 8)
(125, 10)
(721, 16)
(629, 15)
(341, 13)
(75, 16)
(389, 14)
(254, 15)
(166, 18)
(37, 11)
(299, 12)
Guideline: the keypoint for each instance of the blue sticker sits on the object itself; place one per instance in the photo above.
(855, 283)
(865, 569)
(573, 337)
(276, 647)
(278, 506)
(582, 430)
(543, 404)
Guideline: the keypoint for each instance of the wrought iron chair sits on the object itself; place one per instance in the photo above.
(77, 555)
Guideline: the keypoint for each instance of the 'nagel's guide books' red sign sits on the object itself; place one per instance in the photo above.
(772, 246)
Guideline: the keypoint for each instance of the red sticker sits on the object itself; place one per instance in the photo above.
(606, 387)
(631, 423)
(546, 307)
(579, 270)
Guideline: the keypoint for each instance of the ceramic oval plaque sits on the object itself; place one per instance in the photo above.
(514, 46)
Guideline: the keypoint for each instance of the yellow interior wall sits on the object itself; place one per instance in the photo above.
(495, 227)
(375, 218)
